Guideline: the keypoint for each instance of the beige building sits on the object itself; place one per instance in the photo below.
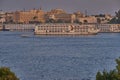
(29, 16)
(2, 20)
(2, 17)
(55, 11)
(60, 16)
(51, 14)
(78, 14)
(66, 18)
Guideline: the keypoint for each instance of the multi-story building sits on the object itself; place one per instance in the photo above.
(54, 15)
(16, 16)
(55, 11)
(2, 17)
(50, 15)
(78, 14)
(29, 16)
(65, 18)
(60, 16)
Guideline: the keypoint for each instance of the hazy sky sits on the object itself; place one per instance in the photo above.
(92, 6)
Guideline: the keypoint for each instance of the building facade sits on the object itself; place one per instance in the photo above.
(29, 16)
(59, 16)
(2, 17)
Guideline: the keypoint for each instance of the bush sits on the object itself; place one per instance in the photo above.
(111, 75)
(7, 74)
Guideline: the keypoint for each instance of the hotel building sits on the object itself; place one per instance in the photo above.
(60, 16)
(29, 16)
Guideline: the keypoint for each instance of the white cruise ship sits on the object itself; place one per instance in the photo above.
(65, 29)
(115, 28)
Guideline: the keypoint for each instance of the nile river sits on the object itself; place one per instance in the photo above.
(58, 57)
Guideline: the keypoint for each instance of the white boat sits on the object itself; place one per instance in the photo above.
(65, 29)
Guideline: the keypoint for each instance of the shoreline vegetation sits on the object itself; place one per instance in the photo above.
(111, 75)
(7, 74)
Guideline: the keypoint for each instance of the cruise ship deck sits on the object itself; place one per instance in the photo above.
(65, 29)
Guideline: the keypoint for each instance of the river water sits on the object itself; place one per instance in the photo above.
(58, 57)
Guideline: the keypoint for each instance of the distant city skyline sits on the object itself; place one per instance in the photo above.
(91, 6)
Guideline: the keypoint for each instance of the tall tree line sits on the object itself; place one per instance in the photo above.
(116, 19)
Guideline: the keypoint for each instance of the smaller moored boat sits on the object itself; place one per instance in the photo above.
(24, 35)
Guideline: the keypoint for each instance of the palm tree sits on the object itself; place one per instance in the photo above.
(118, 14)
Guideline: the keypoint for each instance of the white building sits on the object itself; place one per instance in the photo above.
(2, 17)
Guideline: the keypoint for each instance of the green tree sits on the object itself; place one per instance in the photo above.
(118, 65)
(7, 74)
(99, 76)
(116, 19)
(111, 75)
(118, 14)
(113, 21)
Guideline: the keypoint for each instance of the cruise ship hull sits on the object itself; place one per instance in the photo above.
(65, 30)
(65, 33)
